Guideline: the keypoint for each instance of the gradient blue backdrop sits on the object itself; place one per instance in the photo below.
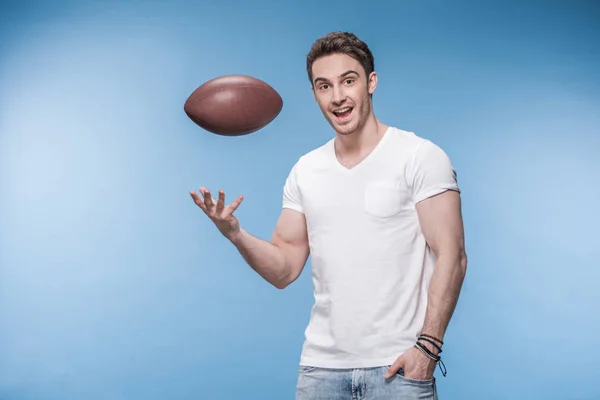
(114, 285)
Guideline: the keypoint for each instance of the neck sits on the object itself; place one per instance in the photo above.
(361, 141)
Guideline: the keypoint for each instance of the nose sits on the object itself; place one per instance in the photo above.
(338, 96)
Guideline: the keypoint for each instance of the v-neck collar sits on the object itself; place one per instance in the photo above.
(364, 160)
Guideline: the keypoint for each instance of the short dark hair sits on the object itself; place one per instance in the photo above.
(344, 43)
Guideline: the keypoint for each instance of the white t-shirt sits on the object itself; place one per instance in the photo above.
(371, 265)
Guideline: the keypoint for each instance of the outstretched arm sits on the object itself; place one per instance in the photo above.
(279, 261)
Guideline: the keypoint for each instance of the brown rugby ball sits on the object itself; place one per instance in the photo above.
(233, 105)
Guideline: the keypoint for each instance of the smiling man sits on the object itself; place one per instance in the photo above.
(378, 209)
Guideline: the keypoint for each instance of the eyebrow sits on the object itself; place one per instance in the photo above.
(341, 76)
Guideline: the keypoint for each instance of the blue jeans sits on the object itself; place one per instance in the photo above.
(360, 384)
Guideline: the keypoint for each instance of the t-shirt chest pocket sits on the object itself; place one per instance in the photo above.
(384, 199)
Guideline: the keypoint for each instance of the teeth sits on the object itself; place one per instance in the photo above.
(343, 110)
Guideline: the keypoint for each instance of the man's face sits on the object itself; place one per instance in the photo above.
(343, 91)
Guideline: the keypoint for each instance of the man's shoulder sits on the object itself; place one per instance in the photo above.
(316, 157)
(406, 139)
(412, 144)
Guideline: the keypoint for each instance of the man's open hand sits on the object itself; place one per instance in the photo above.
(219, 213)
(415, 364)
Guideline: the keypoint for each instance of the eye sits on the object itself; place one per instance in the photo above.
(323, 86)
(349, 81)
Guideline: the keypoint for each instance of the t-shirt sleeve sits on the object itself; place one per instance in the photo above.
(430, 172)
(291, 191)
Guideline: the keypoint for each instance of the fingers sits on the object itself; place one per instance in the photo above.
(198, 200)
(393, 369)
(207, 203)
(233, 206)
(221, 201)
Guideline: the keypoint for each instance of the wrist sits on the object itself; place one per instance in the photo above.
(235, 236)
(425, 359)
(431, 347)
(434, 350)
(433, 343)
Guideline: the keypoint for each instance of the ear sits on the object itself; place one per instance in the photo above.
(372, 82)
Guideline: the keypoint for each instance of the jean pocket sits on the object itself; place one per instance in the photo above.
(419, 382)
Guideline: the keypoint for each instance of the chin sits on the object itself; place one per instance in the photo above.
(345, 130)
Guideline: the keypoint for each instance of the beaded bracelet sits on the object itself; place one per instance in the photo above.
(428, 353)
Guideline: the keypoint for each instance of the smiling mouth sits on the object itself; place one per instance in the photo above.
(343, 112)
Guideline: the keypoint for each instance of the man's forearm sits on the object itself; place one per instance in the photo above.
(444, 290)
(264, 257)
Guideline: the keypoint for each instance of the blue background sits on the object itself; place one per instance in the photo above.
(114, 285)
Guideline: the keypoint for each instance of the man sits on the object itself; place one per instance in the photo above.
(379, 210)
